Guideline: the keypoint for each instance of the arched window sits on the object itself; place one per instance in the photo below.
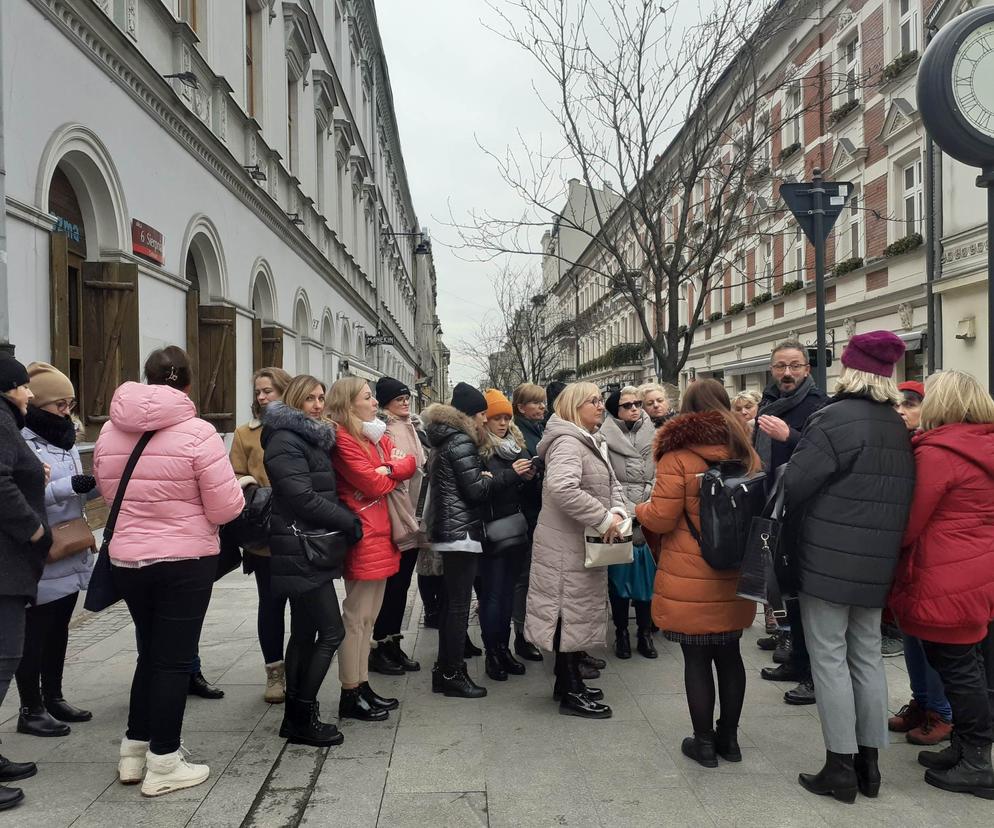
(302, 324)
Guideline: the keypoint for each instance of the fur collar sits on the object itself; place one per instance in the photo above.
(278, 415)
(705, 428)
(442, 421)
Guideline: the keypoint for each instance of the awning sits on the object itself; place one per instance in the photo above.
(361, 371)
(913, 340)
(756, 365)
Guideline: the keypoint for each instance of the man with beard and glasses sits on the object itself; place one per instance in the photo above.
(787, 403)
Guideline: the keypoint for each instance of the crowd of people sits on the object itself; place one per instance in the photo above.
(886, 496)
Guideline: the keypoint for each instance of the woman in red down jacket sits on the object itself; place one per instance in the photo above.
(368, 469)
(943, 590)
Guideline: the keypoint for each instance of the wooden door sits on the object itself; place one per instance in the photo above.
(216, 365)
(272, 347)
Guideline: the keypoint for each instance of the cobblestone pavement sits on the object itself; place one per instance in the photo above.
(508, 760)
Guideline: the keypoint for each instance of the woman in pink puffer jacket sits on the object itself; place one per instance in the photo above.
(164, 554)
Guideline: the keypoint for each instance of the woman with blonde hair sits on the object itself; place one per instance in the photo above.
(656, 403)
(745, 404)
(848, 489)
(297, 440)
(566, 600)
(368, 468)
(944, 587)
(247, 459)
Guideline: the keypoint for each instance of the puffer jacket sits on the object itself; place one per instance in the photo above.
(506, 480)
(531, 490)
(376, 556)
(630, 453)
(455, 474)
(848, 489)
(297, 455)
(407, 436)
(22, 492)
(944, 585)
(580, 489)
(688, 595)
(183, 487)
(62, 504)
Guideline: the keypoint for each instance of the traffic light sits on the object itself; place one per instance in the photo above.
(813, 357)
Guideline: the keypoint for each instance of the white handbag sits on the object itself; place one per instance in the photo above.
(599, 553)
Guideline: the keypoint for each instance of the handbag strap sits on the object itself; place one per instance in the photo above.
(129, 469)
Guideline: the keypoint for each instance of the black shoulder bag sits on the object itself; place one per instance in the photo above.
(101, 593)
(765, 564)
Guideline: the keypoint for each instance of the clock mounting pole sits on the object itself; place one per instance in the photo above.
(986, 180)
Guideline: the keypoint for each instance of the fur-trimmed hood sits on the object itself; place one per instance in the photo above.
(704, 428)
(442, 421)
(557, 429)
(278, 415)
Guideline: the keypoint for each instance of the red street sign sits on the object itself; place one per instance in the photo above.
(147, 242)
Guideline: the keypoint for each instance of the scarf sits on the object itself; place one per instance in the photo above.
(52, 428)
(374, 430)
(505, 448)
(777, 408)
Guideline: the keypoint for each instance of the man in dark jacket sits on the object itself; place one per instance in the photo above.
(787, 403)
(848, 491)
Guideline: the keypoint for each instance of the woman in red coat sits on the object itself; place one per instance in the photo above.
(943, 591)
(368, 469)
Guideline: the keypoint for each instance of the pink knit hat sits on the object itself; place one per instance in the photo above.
(874, 352)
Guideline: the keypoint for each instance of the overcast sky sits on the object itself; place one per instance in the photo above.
(455, 83)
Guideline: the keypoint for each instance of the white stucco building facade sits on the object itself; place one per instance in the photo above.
(255, 209)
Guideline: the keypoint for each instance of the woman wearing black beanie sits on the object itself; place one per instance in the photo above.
(24, 542)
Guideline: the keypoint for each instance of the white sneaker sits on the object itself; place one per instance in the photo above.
(131, 768)
(171, 772)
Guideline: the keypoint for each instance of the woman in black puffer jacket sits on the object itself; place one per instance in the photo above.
(849, 485)
(458, 487)
(297, 442)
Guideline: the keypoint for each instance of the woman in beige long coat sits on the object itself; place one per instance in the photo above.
(566, 601)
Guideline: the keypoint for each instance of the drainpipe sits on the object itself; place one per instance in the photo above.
(5, 345)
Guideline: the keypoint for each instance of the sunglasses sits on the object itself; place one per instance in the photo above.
(628, 406)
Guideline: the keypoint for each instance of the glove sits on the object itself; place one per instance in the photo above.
(83, 483)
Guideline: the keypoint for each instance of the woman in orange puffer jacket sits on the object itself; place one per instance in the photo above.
(368, 469)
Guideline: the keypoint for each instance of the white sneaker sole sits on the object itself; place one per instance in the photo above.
(168, 786)
(130, 776)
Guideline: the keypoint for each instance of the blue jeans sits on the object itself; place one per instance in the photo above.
(926, 685)
(498, 576)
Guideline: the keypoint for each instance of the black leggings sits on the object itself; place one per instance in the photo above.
(46, 637)
(619, 613)
(391, 616)
(459, 574)
(699, 682)
(271, 616)
(316, 632)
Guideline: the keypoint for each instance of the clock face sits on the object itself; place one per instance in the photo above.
(973, 79)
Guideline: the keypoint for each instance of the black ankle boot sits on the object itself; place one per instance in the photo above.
(375, 699)
(972, 774)
(645, 645)
(837, 779)
(524, 648)
(494, 666)
(511, 665)
(576, 698)
(10, 797)
(437, 682)
(199, 686)
(470, 650)
(352, 705)
(943, 759)
(381, 660)
(37, 721)
(726, 743)
(408, 664)
(65, 712)
(701, 748)
(622, 644)
(587, 660)
(15, 771)
(867, 771)
(302, 725)
(456, 683)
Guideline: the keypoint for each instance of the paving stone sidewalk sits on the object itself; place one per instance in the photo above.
(508, 760)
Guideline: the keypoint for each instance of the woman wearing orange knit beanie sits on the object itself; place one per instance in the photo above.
(506, 529)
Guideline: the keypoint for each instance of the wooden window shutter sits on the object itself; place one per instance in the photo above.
(193, 339)
(257, 362)
(272, 347)
(110, 350)
(216, 366)
(59, 304)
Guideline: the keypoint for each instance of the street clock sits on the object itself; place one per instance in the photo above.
(956, 88)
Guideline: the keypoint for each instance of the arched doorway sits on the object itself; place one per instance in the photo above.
(267, 336)
(328, 344)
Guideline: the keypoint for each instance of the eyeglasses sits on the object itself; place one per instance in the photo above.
(596, 402)
(65, 405)
(780, 367)
(628, 406)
